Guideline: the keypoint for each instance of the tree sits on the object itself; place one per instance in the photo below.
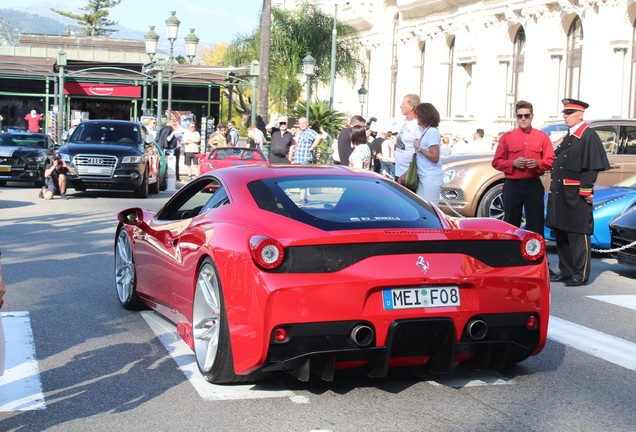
(293, 35)
(213, 56)
(95, 17)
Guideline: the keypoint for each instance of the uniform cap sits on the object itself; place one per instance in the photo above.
(573, 104)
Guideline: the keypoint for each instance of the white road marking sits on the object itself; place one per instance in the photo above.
(628, 301)
(610, 348)
(20, 386)
(184, 357)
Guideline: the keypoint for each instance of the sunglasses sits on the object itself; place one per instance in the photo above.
(568, 112)
(280, 123)
(523, 116)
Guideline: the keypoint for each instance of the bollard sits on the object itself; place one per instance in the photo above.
(172, 184)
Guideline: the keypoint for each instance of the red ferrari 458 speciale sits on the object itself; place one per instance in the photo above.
(315, 268)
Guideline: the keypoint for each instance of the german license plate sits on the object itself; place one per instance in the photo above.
(5, 168)
(94, 170)
(422, 297)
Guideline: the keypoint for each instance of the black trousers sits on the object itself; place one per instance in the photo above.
(527, 193)
(575, 254)
(177, 154)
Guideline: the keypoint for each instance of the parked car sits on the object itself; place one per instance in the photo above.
(623, 230)
(472, 187)
(113, 154)
(23, 157)
(231, 156)
(609, 202)
(257, 280)
(163, 168)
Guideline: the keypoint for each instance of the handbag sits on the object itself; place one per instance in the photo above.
(411, 181)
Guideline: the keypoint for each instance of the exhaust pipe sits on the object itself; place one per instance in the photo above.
(362, 335)
(477, 329)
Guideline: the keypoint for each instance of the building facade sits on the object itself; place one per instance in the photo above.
(474, 59)
(102, 78)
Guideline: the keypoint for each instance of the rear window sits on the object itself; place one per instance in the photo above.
(343, 203)
(236, 153)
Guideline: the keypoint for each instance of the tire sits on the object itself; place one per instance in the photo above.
(142, 190)
(212, 345)
(125, 273)
(3, 182)
(491, 204)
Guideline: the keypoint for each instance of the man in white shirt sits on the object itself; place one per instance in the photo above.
(408, 133)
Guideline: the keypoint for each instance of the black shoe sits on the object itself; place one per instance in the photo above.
(575, 282)
(558, 277)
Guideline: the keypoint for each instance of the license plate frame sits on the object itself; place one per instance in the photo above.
(421, 297)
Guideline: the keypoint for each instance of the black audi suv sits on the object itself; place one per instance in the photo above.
(112, 154)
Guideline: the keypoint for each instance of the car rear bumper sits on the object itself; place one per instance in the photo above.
(321, 348)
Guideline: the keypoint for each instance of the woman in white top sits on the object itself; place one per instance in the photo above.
(360, 157)
(192, 139)
(427, 148)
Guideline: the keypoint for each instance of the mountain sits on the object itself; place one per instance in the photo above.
(14, 21)
(24, 22)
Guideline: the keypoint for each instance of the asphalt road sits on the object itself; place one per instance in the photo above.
(103, 368)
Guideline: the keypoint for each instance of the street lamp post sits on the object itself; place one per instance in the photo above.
(172, 26)
(362, 97)
(191, 41)
(61, 65)
(308, 67)
(152, 38)
(255, 69)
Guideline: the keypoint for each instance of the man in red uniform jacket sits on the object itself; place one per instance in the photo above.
(523, 155)
(579, 158)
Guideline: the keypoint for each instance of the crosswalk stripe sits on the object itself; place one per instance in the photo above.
(20, 386)
(610, 348)
(628, 301)
(183, 355)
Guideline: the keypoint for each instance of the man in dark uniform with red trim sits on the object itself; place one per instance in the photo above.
(578, 159)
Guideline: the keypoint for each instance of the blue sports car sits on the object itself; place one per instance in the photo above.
(609, 202)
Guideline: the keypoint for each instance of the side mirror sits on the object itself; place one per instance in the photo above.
(131, 216)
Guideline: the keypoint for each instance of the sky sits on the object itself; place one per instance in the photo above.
(214, 21)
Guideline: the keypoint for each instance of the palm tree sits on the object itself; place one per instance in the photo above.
(266, 43)
(293, 34)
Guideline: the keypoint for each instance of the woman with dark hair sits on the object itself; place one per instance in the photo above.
(361, 156)
(427, 146)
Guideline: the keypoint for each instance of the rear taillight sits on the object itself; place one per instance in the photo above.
(266, 252)
(532, 245)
